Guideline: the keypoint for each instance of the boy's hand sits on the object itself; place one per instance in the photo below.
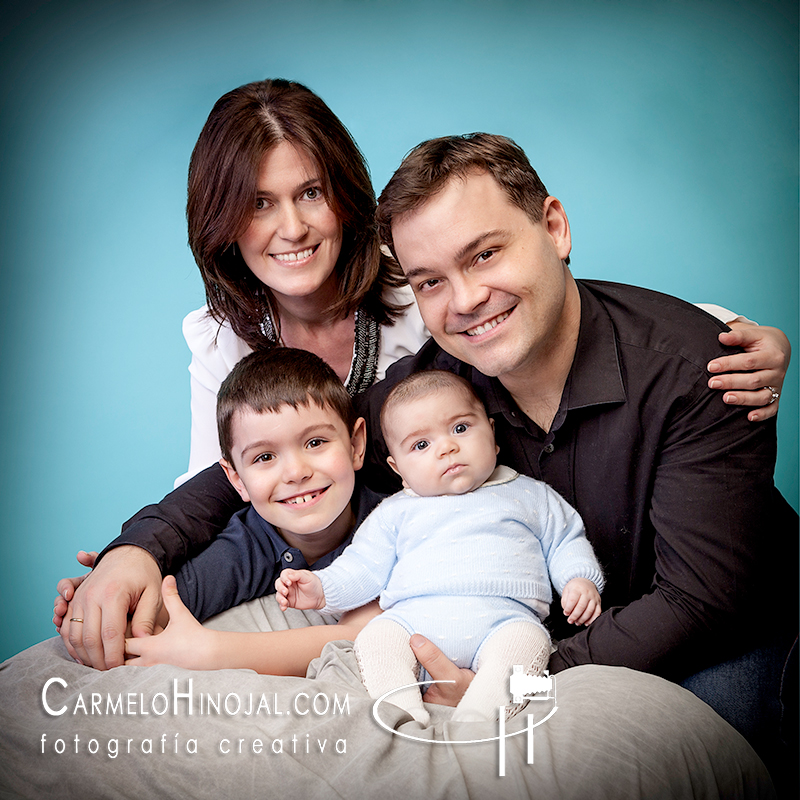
(581, 601)
(184, 642)
(299, 588)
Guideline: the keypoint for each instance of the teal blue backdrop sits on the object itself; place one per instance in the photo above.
(667, 129)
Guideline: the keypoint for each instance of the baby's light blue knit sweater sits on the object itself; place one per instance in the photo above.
(508, 538)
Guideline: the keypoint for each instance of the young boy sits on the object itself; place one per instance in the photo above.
(291, 446)
(461, 555)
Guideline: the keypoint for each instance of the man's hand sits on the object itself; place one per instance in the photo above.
(93, 625)
(580, 601)
(763, 364)
(66, 587)
(184, 642)
(441, 668)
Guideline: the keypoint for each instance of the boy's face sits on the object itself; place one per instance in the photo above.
(297, 467)
(441, 443)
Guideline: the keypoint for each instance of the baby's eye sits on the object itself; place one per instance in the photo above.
(420, 445)
(460, 427)
(264, 458)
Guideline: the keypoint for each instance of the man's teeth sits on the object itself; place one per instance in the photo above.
(492, 323)
(294, 256)
(303, 498)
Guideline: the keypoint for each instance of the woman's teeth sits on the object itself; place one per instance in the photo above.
(294, 256)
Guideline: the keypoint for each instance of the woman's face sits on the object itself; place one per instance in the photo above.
(294, 239)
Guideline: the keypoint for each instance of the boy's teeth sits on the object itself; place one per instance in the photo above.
(302, 499)
(492, 323)
(294, 256)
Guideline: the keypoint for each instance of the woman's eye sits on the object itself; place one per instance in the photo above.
(261, 203)
(421, 445)
(313, 193)
(461, 427)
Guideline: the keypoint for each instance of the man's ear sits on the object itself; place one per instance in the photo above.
(556, 224)
(358, 441)
(233, 477)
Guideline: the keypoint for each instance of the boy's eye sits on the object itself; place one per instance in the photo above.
(318, 442)
(264, 458)
(421, 445)
(461, 427)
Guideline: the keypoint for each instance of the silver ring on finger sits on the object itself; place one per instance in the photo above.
(775, 394)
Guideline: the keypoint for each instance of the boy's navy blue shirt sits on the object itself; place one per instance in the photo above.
(245, 560)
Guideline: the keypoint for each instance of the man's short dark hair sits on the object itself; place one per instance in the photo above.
(266, 380)
(430, 166)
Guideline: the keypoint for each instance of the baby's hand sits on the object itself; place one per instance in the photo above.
(581, 601)
(299, 588)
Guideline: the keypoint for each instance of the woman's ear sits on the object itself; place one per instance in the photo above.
(233, 477)
(358, 441)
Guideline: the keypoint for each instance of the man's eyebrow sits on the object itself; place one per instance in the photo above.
(476, 243)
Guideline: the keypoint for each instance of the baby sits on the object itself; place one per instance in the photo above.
(464, 555)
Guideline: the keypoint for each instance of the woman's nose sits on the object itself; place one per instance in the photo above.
(291, 225)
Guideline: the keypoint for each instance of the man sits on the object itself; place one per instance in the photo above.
(601, 391)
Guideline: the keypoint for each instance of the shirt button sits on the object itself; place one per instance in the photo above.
(288, 558)
(548, 448)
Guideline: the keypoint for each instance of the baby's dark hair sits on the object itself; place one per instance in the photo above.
(265, 380)
(419, 384)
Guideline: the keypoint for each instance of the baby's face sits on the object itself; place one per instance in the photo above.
(441, 443)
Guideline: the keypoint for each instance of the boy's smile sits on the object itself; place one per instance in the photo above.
(297, 467)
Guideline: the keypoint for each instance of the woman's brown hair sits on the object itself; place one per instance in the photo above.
(242, 127)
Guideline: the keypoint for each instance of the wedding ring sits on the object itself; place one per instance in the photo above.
(75, 619)
(775, 394)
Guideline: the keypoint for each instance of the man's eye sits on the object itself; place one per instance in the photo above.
(461, 427)
(421, 445)
(485, 255)
(429, 284)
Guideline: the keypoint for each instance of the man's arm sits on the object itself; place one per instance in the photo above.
(711, 510)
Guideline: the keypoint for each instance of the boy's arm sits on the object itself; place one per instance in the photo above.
(186, 643)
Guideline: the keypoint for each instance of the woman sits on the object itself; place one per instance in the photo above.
(280, 211)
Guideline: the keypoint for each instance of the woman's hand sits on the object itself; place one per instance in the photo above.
(93, 624)
(441, 668)
(184, 642)
(751, 376)
(66, 587)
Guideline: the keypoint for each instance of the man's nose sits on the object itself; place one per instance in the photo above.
(467, 296)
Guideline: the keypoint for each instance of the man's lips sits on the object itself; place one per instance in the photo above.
(305, 498)
(298, 255)
(484, 327)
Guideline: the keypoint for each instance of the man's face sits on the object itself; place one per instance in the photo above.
(490, 283)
